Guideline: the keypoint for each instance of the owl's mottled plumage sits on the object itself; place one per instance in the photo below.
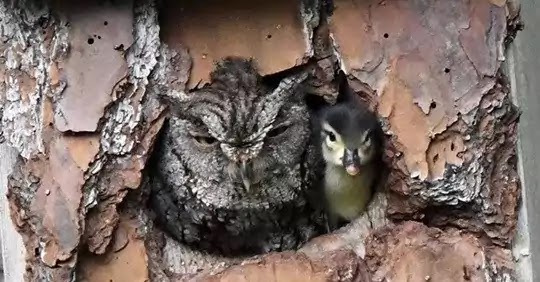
(233, 165)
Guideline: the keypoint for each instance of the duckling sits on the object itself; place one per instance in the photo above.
(351, 142)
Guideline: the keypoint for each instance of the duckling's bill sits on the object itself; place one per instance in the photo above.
(351, 162)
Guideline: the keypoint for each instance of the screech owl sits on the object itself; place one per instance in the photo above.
(234, 165)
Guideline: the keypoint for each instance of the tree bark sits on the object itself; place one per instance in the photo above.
(79, 104)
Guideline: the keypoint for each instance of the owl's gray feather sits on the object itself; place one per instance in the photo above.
(236, 121)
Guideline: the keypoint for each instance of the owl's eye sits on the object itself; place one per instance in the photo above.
(277, 131)
(205, 140)
(331, 136)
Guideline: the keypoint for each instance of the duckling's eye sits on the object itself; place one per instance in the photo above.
(331, 136)
(367, 138)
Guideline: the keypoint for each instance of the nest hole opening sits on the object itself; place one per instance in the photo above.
(229, 244)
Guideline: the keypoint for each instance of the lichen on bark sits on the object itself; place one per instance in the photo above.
(26, 55)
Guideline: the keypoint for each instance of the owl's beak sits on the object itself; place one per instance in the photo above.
(245, 175)
(351, 162)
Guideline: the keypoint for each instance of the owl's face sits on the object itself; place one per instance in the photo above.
(241, 142)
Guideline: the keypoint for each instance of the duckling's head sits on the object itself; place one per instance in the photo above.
(350, 136)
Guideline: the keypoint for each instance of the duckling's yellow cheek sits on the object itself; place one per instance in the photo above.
(328, 147)
(333, 155)
(337, 150)
(336, 145)
(338, 155)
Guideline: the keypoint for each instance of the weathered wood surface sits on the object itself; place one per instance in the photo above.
(78, 103)
(13, 251)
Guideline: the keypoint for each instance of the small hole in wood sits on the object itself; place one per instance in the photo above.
(99, 37)
(385, 35)
(105, 23)
(466, 275)
(268, 36)
(452, 146)
(90, 41)
(433, 105)
(446, 70)
(435, 158)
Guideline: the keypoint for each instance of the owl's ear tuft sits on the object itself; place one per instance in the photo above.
(175, 104)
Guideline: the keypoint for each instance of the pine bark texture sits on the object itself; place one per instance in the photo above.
(78, 101)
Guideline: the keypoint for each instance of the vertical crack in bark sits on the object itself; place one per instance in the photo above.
(114, 172)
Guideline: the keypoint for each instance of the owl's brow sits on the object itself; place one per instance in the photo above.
(207, 110)
(194, 124)
(199, 131)
(272, 103)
